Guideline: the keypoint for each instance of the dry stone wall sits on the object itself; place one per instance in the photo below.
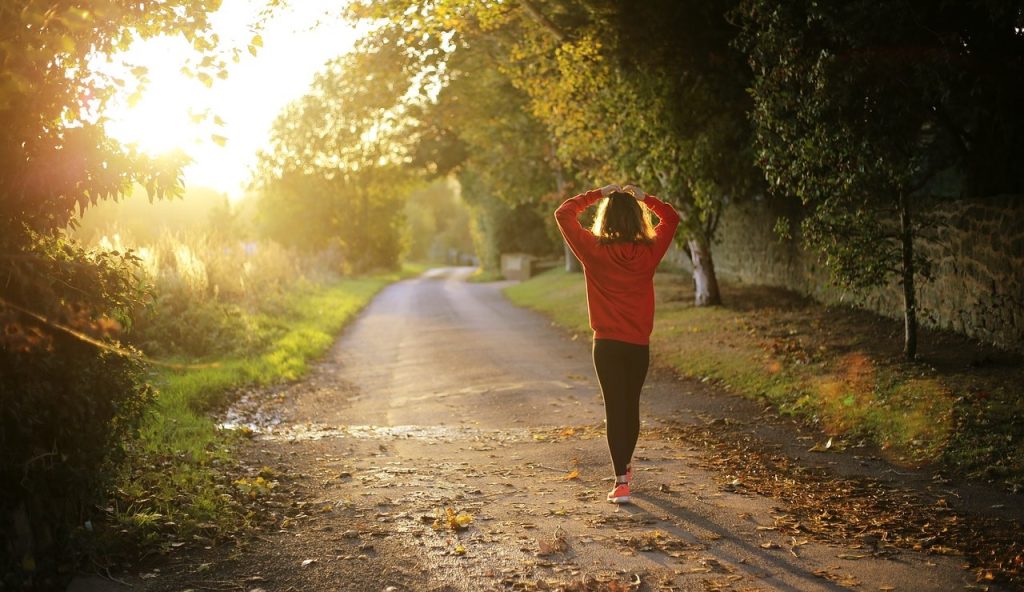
(977, 250)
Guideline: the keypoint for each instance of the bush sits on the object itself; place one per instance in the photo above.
(210, 291)
(68, 398)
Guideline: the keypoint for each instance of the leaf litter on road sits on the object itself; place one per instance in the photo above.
(874, 517)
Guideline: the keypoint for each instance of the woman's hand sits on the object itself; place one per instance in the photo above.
(610, 189)
(635, 191)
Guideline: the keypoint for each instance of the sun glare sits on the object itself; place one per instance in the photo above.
(222, 126)
(161, 120)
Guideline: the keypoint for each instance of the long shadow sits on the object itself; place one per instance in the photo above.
(683, 514)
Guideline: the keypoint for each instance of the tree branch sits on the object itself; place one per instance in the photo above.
(96, 342)
(543, 21)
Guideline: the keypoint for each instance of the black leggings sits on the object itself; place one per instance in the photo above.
(621, 369)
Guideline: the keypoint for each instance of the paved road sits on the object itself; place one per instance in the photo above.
(440, 351)
(443, 395)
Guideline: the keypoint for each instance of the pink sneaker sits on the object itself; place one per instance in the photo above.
(619, 495)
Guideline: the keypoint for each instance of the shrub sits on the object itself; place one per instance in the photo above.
(210, 291)
(69, 396)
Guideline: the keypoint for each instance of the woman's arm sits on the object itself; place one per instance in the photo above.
(668, 221)
(567, 216)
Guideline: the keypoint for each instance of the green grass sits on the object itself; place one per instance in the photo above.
(178, 470)
(481, 276)
(837, 368)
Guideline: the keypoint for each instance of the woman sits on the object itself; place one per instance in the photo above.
(619, 255)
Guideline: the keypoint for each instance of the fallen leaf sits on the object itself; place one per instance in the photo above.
(452, 520)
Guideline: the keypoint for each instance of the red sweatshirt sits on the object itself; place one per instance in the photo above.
(620, 276)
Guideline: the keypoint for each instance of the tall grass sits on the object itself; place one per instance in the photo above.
(215, 296)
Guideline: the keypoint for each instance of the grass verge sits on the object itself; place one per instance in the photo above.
(481, 276)
(177, 482)
(960, 406)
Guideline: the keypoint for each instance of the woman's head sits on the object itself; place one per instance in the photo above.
(621, 218)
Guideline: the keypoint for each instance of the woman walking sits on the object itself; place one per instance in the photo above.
(619, 255)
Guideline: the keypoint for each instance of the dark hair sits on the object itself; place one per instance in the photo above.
(621, 219)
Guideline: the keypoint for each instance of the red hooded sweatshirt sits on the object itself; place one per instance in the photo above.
(620, 276)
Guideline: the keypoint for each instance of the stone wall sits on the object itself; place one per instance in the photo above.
(977, 252)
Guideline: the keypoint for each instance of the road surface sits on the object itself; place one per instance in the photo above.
(442, 395)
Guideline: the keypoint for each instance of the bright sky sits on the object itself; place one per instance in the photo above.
(296, 43)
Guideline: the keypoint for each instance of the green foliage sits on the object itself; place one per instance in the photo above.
(208, 283)
(68, 399)
(504, 145)
(50, 100)
(537, 98)
(500, 227)
(650, 94)
(861, 108)
(522, 230)
(476, 125)
(335, 174)
(63, 423)
(58, 281)
(67, 405)
(438, 224)
(208, 291)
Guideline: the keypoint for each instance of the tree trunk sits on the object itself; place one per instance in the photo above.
(705, 282)
(572, 264)
(909, 296)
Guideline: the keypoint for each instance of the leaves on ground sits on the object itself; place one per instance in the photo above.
(449, 519)
(865, 512)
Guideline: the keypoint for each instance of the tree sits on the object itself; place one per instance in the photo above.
(602, 78)
(55, 157)
(508, 175)
(654, 94)
(51, 102)
(338, 168)
(70, 393)
(868, 111)
(472, 122)
(439, 224)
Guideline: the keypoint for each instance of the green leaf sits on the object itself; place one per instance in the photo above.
(67, 44)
